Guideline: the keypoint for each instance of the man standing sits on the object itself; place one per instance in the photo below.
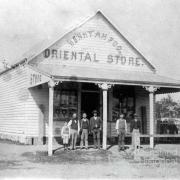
(84, 125)
(95, 128)
(135, 130)
(74, 125)
(121, 128)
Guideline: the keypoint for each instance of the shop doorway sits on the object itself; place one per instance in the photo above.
(90, 101)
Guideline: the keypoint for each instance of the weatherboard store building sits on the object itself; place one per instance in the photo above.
(91, 67)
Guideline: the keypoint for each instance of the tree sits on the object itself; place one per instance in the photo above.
(166, 107)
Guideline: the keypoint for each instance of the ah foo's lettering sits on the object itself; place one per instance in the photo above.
(80, 56)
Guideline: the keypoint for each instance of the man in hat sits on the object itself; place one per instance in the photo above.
(121, 128)
(84, 126)
(74, 129)
(95, 128)
(135, 130)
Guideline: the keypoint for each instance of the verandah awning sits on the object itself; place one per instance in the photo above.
(88, 74)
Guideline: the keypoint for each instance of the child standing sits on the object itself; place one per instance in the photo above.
(65, 134)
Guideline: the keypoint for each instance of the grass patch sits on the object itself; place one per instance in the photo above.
(75, 157)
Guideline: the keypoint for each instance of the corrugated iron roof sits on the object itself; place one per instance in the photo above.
(76, 73)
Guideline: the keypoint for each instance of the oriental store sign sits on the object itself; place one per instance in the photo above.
(79, 56)
(93, 48)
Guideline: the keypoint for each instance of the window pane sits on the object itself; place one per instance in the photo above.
(65, 102)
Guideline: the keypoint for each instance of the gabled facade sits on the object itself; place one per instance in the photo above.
(92, 67)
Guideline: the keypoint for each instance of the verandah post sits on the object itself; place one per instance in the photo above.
(151, 105)
(151, 91)
(51, 85)
(105, 88)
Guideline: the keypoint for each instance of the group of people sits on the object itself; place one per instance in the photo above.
(84, 127)
(121, 128)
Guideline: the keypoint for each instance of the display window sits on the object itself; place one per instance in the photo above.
(65, 102)
(123, 102)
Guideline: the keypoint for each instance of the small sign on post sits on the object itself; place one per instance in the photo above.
(36, 78)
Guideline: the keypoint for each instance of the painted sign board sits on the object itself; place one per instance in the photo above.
(95, 44)
(36, 78)
(91, 57)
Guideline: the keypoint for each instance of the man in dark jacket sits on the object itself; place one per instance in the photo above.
(95, 128)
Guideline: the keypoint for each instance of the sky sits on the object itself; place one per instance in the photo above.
(152, 26)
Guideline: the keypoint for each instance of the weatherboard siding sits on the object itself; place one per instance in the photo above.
(13, 96)
(38, 97)
(19, 106)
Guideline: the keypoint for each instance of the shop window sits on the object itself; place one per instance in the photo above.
(65, 101)
(123, 102)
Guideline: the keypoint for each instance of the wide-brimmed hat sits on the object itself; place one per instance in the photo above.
(95, 111)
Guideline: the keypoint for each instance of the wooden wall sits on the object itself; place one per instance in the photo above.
(20, 107)
(13, 100)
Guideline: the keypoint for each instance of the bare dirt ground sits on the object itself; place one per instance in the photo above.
(32, 162)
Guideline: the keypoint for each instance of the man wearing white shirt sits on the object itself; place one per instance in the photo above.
(121, 128)
(74, 125)
(84, 125)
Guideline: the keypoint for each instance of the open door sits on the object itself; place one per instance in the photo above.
(144, 120)
(89, 102)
